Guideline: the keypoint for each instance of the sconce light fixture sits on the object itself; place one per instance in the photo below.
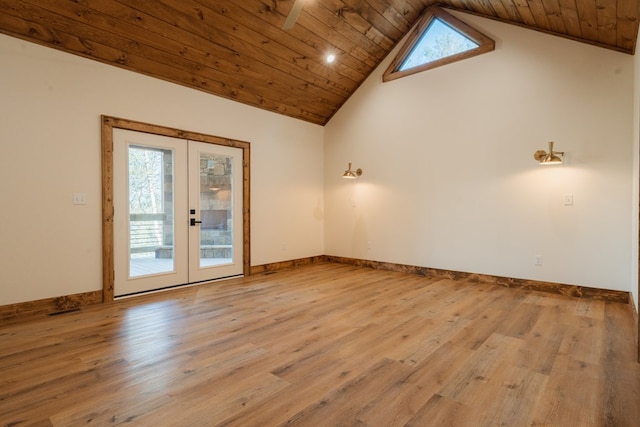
(352, 174)
(550, 158)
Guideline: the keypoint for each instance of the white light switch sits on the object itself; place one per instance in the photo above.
(79, 198)
(568, 199)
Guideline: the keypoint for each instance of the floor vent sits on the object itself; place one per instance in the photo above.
(71, 310)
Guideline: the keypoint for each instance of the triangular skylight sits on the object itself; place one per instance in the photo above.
(438, 39)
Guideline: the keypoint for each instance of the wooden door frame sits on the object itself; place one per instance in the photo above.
(108, 124)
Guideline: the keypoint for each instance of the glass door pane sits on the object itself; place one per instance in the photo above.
(151, 226)
(178, 212)
(216, 209)
(150, 221)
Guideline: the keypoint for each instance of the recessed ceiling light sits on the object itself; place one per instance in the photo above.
(330, 58)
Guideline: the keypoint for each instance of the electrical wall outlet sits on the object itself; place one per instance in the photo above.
(538, 260)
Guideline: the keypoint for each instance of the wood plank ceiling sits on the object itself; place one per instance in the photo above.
(238, 49)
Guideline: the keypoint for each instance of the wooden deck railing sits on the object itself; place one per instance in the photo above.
(146, 232)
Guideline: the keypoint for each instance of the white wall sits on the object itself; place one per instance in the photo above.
(50, 111)
(635, 193)
(449, 180)
(449, 176)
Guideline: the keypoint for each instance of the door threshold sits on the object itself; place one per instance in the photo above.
(181, 286)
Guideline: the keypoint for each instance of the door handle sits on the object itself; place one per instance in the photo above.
(193, 222)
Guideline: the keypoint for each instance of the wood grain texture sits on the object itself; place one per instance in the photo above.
(484, 44)
(108, 124)
(275, 266)
(47, 306)
(26, 309)
(326, 344)
(509, 282)
(238, 50)
(108, 268)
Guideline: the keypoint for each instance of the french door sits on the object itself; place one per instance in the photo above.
(177, 212)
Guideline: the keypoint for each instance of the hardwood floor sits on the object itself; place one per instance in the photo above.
(326, 345)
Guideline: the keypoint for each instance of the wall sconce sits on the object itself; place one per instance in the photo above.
(550, 158)
(351, 174)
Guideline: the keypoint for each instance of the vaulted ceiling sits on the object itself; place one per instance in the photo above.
(238, 49)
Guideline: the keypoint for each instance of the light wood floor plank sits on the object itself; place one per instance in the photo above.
(324, 345)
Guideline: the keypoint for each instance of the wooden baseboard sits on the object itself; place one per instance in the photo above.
(632, 307)
(636, 322)
(275, 266)
(508, 282)
(48, 306)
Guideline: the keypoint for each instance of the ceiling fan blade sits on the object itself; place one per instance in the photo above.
(293, 15)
